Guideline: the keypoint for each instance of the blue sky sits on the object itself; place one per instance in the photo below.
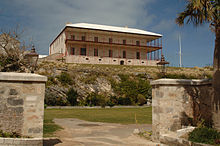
(42, 20)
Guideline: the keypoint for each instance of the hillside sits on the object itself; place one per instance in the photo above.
(106, 84)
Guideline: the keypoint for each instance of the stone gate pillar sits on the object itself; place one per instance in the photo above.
(22, 103)
(179, 102)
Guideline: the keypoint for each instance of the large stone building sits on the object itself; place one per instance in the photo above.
(101, 44)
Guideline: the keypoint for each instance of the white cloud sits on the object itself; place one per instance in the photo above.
(165, 25)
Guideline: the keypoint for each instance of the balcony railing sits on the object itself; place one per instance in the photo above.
(152, 47)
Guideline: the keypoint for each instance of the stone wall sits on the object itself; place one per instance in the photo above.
(109, 60)
(22, 103)
(177, 103)
(21, 141)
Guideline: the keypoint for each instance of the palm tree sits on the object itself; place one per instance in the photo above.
(206, 11)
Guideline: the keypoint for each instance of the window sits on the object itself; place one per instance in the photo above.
(96, 53)
(72, 37)
(124, 54)
(124, 42)
(96, 39)
(137, 55)
(83, 38)
(83, 51)
(138, 43)
(110, 40)
(110, 54)
(72, 51)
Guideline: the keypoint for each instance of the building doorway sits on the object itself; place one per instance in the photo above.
(122, 62)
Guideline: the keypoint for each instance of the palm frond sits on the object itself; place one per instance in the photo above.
(199, 12)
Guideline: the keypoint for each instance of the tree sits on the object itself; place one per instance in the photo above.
(12, 51)
(206, 11)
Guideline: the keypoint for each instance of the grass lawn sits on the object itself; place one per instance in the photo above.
(108, 115)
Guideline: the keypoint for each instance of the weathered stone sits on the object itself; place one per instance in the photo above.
(178, 103)
(13, 101)
(159, 94)
(13, 92)
(175, 126)
(182, 132)
(17, 110)
(17, 92)
(1, 140)
(8, 141)
(31, 98)
(34, 130)
(168, 110)
(136, 131)
(3, 108)
(176, 116)
(2, 90)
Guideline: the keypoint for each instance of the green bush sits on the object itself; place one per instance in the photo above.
(72, 96)
(129, 87)
(65, 79)
(205, 135)
(51, 81)
(145, 88)
(12, 135)
(112, 101)
(125, 101)
(141, 100)
(94, 99)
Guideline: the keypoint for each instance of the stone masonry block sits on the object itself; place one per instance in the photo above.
(2, 90)
(8, 141)
(35, 130)
(14, 102)
(13, 92)
(1, 140)
(17, 141)
(31, 98)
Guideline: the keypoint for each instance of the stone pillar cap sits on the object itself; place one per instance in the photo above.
(181, 82)
(27, 77)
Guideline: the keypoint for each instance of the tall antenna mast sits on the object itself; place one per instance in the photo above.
(180, 51)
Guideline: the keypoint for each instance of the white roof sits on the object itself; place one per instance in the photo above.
(42, 56)
(113, 28)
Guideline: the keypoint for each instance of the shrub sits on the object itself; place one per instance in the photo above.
(129, 88)
(112, 101)
(141, 100)
(12, 135)
(94, 99)
(205, 135)
(125, 101)
(51, 81)
(65, 79)
(90, 79)
(72, 97)
(145, 89)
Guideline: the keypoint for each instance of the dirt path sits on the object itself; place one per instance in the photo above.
(83, 133)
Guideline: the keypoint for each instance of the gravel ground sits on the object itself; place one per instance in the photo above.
(83, 133)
